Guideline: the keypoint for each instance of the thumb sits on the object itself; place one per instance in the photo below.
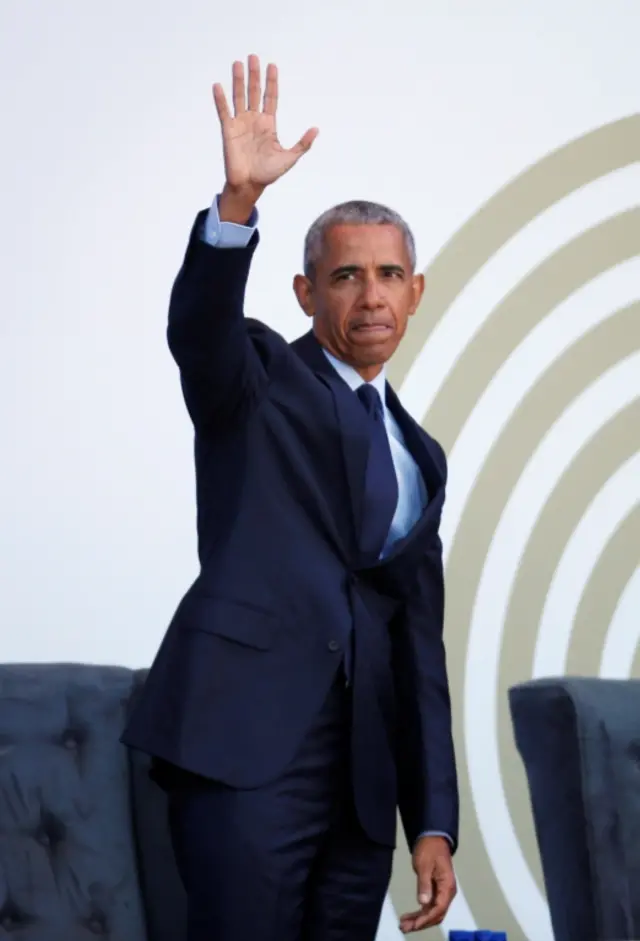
(305, 142)
(425, 888)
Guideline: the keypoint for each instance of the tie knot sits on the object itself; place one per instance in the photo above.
(370, 398)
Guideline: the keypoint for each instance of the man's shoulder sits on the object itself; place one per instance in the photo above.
(258, 330)
(276, 354)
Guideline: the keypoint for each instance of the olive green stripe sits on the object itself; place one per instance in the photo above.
(565, 380)
(614, 443)
(617, 563)
(563, 172)
(581, 161)
(589, 255)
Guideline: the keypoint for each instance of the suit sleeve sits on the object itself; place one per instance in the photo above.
(427, 779)
(220, 371)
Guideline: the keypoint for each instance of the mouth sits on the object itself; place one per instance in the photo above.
(377, 330)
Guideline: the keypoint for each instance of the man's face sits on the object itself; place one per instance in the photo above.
(362, 294)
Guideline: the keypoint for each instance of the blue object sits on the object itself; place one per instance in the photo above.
(477, 936)
(380, 497)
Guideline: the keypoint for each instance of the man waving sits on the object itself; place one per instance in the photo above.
(300, 694)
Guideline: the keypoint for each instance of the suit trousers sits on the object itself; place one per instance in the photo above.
(288, 861)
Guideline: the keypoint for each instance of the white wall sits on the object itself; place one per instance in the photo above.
(111, 145)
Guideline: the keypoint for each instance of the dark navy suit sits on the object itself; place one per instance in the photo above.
(246, 702)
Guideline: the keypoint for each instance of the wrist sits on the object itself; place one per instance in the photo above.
(433, 839)
(238, 202)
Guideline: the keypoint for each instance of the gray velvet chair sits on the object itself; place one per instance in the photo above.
(84, 847)
(580, 743)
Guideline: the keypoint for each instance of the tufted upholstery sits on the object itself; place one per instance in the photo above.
(580, 743)
(166, 909)
(75, 863)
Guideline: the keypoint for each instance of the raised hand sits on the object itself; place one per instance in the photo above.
(253, 155)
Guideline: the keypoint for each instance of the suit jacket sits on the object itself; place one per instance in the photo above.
(255, 643)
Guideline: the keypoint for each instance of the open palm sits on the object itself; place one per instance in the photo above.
(253, 155)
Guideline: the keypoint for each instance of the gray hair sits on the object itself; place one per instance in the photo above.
(354, 212)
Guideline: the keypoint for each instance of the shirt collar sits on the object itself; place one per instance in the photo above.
(353, 379)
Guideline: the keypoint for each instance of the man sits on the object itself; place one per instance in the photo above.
(300, 694)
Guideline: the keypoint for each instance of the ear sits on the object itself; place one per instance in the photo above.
(303, 290)
(417, 286)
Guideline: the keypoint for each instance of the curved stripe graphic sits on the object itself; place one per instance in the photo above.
(622, 643)
(524, 361)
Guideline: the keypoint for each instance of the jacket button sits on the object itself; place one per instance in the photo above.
(333, 646)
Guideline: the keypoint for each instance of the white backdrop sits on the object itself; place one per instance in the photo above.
(109, 147)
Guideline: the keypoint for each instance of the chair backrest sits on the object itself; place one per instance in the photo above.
(164, 895)
(68, 866)
(579, 739)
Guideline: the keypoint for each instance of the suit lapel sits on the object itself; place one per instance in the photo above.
(416, 442)
(353, 437)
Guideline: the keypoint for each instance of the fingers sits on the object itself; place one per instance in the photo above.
(294, 153)
(428, 917)
(433, 914)
(434, 910)
(426, 886)
(220, 100)
(413, 921)
(270, 104)
(253, 97)
(248, 96)
(238, 89)
(305, 142)
(417, 921)
(443, 895)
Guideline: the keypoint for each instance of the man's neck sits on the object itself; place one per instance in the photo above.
(353, 377)
(369, 373)
(366, 373)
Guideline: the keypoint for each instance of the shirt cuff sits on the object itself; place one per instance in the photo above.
(435, 833)
(227, 234)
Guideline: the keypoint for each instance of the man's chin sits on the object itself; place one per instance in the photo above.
(373, 354)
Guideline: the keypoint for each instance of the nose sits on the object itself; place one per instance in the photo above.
(371, 294)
